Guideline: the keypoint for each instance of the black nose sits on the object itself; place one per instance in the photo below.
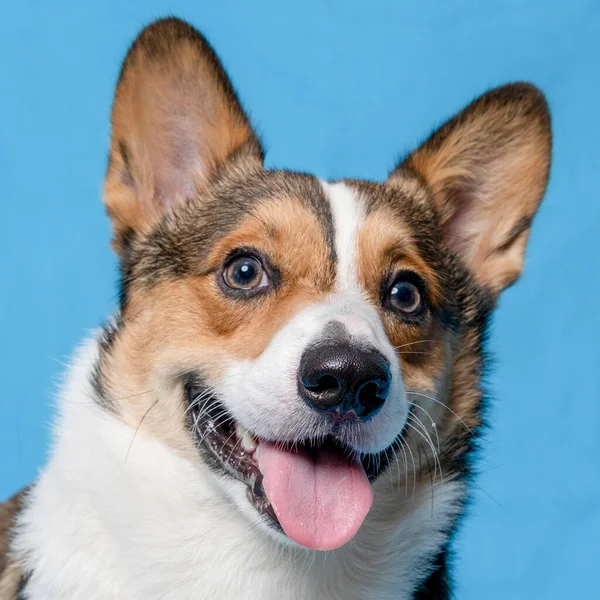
(344, 378)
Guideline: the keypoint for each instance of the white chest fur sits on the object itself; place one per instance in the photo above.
(109, 521)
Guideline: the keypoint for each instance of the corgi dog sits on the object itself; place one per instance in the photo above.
(287, 401)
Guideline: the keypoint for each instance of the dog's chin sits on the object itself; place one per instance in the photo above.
(233, 454)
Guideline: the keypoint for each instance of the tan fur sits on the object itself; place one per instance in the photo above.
(386, 245)
(190, 323)
(10, 580)
(10, 573)
(483, 174)
(487, 170)
(186, 186)
(175, 119)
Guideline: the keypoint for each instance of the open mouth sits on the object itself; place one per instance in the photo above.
(229, 448)
(317, 493)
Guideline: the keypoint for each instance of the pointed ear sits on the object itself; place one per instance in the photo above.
(487, 170)
(175, 120)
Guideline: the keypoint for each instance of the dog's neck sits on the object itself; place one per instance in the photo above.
(112, 519)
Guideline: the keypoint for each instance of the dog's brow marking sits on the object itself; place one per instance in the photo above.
(347, 214)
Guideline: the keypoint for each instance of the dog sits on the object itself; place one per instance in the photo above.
(288, 400)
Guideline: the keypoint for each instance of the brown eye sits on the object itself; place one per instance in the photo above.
(245, 273)
(405, 297)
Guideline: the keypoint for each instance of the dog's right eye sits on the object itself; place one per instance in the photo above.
(245, 273)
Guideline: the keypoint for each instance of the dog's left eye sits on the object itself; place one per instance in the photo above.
(245, 273)
(406, 295)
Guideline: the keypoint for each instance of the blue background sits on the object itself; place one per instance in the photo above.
(341, 89)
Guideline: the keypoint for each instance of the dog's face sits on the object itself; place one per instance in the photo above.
(295, 334)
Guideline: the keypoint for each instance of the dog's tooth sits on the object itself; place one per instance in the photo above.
(240, 431)
(257, 452)
(248, 442)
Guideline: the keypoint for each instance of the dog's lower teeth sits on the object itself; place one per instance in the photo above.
(248, 442)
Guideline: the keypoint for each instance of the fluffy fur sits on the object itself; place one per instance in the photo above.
(141, 522)
(130, 505)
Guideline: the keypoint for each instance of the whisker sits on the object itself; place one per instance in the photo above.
(436, 457)
(431, 478)
(490, 496)
(414, 466)
(204, 412)
(214, 426)
(441, 404)
(138, 427)
(201, 415)
(433, 424)
(199, 398)
(430, 445)
(405, 467)
(234, 447)
(413, 343)
(149, 391)
(225, 442)
(387, 458)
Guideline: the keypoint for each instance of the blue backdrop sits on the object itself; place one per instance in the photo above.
(341, 89)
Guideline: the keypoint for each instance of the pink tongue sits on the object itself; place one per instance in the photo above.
(321, 500)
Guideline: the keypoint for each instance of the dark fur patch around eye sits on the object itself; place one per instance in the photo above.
(179, 243)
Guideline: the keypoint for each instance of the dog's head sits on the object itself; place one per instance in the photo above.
(290, 333)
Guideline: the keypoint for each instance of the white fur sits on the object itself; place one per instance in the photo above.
(347, 211)
(111, 519)
(155, 526)
(262, 394)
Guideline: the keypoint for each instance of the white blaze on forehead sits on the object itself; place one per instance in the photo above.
(347, 211)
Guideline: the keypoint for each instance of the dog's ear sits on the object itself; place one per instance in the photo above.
(487, 170)
(175, 120)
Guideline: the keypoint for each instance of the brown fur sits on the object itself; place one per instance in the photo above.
(456, 211)
(10, 573)
(386, 244)
(487, 170)
(188, 323)
(175, 119)
(186, 186)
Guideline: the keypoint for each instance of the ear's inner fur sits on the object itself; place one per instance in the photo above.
(175, 120)
(487, 170)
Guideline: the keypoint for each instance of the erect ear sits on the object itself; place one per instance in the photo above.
(175, 120)
(487, 170)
